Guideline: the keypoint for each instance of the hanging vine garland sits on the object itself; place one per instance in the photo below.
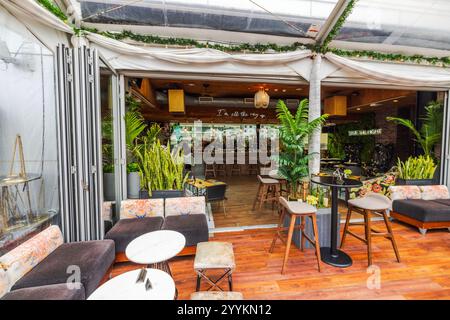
(337, 27)
(259, 48)
(53, 8)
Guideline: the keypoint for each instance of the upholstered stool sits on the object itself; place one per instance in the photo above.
(214, 255)
(217, 295)
(371, 204)
(268, 191)
(296, 209)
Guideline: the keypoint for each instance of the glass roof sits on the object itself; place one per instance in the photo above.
(416, 23)
(413, 23)
(281, 17)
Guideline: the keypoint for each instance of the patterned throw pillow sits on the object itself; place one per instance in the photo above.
(405, 192)
(185, 206)
(376, 185)
(434, 192)
(19, 261)
(132, 209)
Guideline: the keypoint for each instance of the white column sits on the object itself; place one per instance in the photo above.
(315, 112)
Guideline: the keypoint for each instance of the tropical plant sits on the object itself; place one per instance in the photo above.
(159, 167)
(421, 167)
(431, 131)
(294, 133)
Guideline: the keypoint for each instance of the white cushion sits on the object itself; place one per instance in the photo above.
(434, 192)
(405, 192)
(373, 201)
(297, 207)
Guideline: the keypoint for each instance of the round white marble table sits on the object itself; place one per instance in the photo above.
(155, 247)
(124, 287)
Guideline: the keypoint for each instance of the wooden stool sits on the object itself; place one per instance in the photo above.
(236, 168)
(371, 204)
(296, 210)
(214, 255)
(210, 168)
(253, 169)
(268, 191)
(221, 169)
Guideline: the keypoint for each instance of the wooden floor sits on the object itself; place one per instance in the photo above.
(241, 194)
(424, 272)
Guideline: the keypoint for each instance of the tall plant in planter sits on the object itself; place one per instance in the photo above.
(161, 169)
(431, 131)
(294, 133)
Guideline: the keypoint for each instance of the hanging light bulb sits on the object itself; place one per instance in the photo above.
(262, 99)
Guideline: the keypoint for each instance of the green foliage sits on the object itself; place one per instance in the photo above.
(421, 167)
(132, 167)
(159, 167)
(430, 133)
(108, 168)
(396, 57)
(53, 8)
(134, 122)
(294, 132)
(338, 26)
(339, 138)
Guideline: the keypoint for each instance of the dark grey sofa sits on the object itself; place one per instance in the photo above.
(94, 258)
(424, 214)
(50, 292)
(39, 269)
(186, 215)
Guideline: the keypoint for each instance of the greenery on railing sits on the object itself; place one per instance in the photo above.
(53, 8)
(396, 57)
(337, 27)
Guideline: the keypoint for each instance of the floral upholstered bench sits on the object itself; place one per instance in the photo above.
(186, 215)
(38, 268)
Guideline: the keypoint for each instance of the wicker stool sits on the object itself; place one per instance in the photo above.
(268, 191)
(296, 210)
(371, 204)
(214, 255)
(217, 295)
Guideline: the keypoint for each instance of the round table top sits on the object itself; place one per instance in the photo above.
(124, 287)
(155, 247)
(331, 182)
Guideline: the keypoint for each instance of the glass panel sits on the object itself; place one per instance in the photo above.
(282, 17)
(28, 184)
(414, 23)
(106, 82)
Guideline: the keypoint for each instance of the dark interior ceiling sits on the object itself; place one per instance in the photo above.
(359, 100)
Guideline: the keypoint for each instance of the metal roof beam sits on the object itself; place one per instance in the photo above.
(331, 21)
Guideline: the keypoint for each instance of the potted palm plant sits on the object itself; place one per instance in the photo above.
(134, 126)
(294, 133)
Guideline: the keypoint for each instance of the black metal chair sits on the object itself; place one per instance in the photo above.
(217, 194)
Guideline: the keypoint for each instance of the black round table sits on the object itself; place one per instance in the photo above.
(331, 255)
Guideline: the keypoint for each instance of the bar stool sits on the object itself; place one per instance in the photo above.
(236, 168)
(296, 210)
(210, 169)
(371, 204)
(268, 191)
(221, 169)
